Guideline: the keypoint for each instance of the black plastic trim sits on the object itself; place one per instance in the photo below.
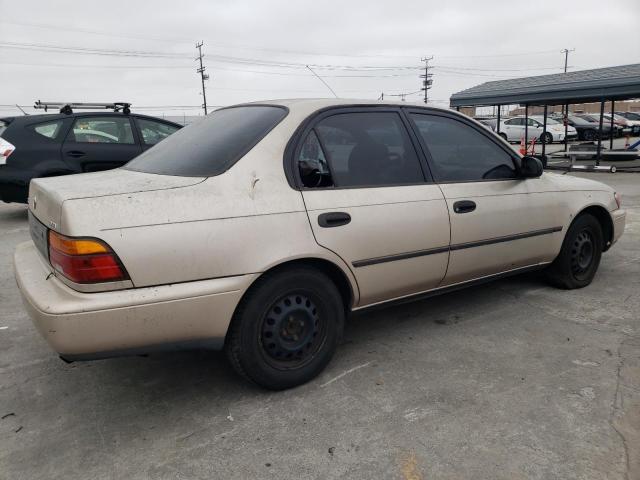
(459, 246)
(400, 256)
(506, 238)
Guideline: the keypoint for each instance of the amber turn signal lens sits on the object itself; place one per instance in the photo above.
(71, 246)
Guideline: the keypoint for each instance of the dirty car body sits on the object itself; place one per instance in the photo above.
(260, 227)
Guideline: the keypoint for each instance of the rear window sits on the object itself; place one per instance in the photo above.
(212, 145)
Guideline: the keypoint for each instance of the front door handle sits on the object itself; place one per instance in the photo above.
(464, 206)
(76, 154)
(333, 219)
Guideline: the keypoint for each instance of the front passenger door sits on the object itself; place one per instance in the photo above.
(97, 143)
(499, 222)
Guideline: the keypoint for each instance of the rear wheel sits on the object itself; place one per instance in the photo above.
(286, 328)
(579, 258)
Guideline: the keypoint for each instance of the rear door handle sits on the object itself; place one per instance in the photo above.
(333, 219)
(464, 206)
(76, 154)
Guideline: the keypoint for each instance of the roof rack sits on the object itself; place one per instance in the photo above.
(68, 107)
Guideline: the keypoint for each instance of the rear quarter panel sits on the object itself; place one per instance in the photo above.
(245, 220)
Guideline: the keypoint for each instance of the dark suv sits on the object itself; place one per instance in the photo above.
(61, 144)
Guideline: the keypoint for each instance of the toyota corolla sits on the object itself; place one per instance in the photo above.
(258, 229)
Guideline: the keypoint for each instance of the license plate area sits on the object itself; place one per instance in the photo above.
(39, 235)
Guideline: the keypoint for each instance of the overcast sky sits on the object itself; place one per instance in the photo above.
(143, 51)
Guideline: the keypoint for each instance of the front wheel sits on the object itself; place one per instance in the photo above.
(546, 138)
(579, 258)
(286, 328)
(504, 136)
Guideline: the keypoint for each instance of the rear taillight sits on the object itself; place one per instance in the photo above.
(6, 149)
(618, 198)
(84, 260)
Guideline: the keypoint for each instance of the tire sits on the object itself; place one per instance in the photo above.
(578, 261)
(590, 135)
(504, 136)
(546, 138)
(286, 328)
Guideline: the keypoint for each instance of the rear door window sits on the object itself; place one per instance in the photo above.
(102, 130)
(360, 149)
(211, 145)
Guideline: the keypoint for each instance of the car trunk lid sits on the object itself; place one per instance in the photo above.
(46, 195)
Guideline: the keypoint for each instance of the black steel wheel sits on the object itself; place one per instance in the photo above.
(546, 138)
(579, 258)
(590, 135)
(286, 328)
(292, 331)
(582, 252)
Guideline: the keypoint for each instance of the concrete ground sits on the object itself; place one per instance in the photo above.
(510, 380)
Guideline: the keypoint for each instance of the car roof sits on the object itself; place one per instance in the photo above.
(42, 117)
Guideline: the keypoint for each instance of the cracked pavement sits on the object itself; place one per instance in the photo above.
(509, 380)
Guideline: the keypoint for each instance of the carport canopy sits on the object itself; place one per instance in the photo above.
(610, 83)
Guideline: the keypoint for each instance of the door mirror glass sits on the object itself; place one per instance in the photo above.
(530, 167)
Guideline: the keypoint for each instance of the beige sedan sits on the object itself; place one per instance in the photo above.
(260, 227)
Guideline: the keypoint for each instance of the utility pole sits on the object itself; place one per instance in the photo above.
(203, 76)
(565, 107)
(428, 77)
(566, 56)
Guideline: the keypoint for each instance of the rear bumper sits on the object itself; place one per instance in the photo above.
(83, 326)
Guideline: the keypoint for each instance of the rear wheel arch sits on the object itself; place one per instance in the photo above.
(330, 269)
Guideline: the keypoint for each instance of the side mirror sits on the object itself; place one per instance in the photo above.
(530, 167)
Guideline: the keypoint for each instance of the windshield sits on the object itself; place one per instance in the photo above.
(212, 145)
(3, 126)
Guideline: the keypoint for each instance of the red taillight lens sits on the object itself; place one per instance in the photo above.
(84, 260)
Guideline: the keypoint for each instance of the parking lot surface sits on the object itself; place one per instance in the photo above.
(509, 380)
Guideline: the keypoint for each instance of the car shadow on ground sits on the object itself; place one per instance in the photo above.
(13, 212)
(206, 374)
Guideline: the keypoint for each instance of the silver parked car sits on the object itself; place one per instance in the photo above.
(259, 228)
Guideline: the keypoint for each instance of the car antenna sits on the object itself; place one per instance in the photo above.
(20, 108)
(325, 83)
(68, 107)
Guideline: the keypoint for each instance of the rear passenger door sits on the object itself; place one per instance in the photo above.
(371, 201)
(514, 128)
(499, 221)
(100, 142)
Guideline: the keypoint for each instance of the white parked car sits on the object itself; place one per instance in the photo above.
(513, 129)
(259, 228)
